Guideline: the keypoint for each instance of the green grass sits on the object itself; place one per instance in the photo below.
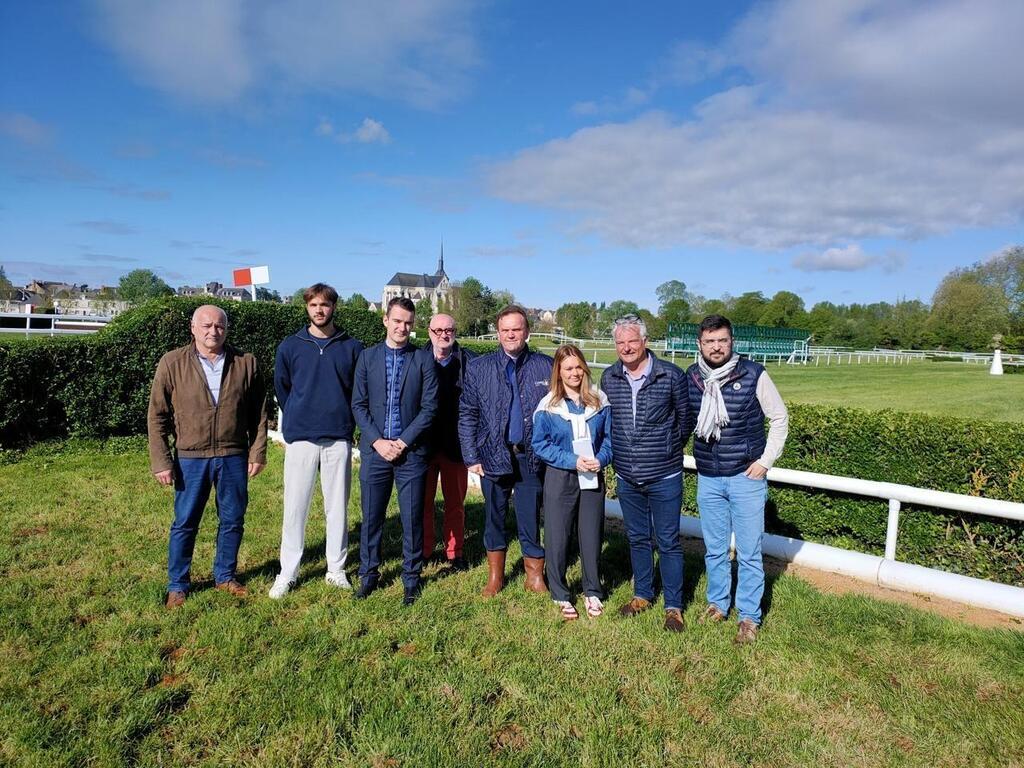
(940, 389)
(96, 672)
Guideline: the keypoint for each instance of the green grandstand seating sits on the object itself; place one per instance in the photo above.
(752, 340)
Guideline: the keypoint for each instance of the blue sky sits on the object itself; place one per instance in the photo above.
(847, 151)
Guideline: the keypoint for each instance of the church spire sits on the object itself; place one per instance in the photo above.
(440, 260)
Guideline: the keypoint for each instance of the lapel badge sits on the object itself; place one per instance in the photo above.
(737, 386)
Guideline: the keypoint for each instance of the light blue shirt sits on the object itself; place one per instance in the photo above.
(214, 371)
(635, 384)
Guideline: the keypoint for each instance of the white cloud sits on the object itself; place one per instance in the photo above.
(846, 132)
(415, 51)
(630, 99)
(25, 129)
(850, 258)
(192, 48)
(370, 131)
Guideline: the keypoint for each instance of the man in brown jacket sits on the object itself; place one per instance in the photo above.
(210, 399)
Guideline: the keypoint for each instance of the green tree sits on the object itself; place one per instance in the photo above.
(747, 308)
(357, 301)
(265, 294)
(424, 310)
(674, 311)
(785, 310)
(576, 319)
(6, 287)
(142, 284)
(714, 307)
(966, 313)
(473, 306)
(671, 290)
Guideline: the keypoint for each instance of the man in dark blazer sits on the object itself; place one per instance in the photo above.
(394, 400)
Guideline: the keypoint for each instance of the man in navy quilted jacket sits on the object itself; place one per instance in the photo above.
(500, 392)
(731, 397)
(650, 418)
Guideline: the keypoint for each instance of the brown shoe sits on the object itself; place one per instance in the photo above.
(747, 632)
(232, 587)
(712, 615)
(534, 582)
(495, 572)
(175, 600)
(674, 620)
(634, 606)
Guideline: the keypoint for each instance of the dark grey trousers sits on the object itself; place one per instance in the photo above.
(564, 504)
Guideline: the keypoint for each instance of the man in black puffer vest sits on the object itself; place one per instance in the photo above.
(731, 397)
(650, 418)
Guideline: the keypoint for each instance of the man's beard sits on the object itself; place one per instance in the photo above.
(327, 321)
(719, 364)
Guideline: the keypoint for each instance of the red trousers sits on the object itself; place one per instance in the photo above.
(454, 480)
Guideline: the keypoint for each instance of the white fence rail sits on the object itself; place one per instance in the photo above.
(885, 571)
(50, 325)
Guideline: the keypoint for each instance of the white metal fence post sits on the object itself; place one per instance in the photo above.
(892, 529)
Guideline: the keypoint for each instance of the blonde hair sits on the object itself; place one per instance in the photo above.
(557, 389)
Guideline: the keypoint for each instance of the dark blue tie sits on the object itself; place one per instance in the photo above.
(515, 413)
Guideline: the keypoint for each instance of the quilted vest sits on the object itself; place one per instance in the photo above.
(743, 438)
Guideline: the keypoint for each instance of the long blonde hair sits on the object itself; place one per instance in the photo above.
(557, 389)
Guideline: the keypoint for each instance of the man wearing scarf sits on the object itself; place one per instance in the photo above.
(732, 396)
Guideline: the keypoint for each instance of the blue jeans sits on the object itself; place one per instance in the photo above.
(193, 479)
(526, 499)
(727, 505)
(376, 477)
(653, 508)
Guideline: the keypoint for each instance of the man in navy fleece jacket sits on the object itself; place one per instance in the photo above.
(313, 376)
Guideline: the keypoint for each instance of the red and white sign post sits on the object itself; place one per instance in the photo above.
(250, 277)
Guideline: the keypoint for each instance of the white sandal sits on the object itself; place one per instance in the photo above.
(594, 606)
(568, 610)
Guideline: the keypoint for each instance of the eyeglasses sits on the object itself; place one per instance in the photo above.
(627, 320)
(710, 342)
(442, 331)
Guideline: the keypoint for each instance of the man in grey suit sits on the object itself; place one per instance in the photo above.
(394, 399)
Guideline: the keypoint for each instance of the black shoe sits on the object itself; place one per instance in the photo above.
(458, 564)
(412, 594)
(366, 588)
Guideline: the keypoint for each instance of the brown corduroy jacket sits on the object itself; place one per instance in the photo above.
(181, 407)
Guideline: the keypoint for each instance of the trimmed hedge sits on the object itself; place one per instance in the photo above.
(941, 453)
(98, 385)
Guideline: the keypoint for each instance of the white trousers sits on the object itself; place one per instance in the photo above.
(301, 460)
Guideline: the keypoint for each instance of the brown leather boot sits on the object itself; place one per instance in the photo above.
(495, 572)
(534, 567)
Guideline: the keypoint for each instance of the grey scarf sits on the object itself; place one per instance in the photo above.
(713, 416)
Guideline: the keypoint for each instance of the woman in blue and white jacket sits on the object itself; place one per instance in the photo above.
(572, 436)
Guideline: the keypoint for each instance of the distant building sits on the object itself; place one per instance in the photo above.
(22, 300)
(435, 287)
(100, 303)
(216, 289)
(235, 294)
(65, 299)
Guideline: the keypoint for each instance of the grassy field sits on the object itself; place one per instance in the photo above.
(939, 389)
(96, 672)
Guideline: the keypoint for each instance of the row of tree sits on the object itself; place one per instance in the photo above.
(973, 309)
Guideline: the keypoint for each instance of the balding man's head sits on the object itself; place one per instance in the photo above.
(442, 334)
(209, 329)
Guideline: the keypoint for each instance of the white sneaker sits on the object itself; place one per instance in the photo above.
(339, 580)
(280, 588)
